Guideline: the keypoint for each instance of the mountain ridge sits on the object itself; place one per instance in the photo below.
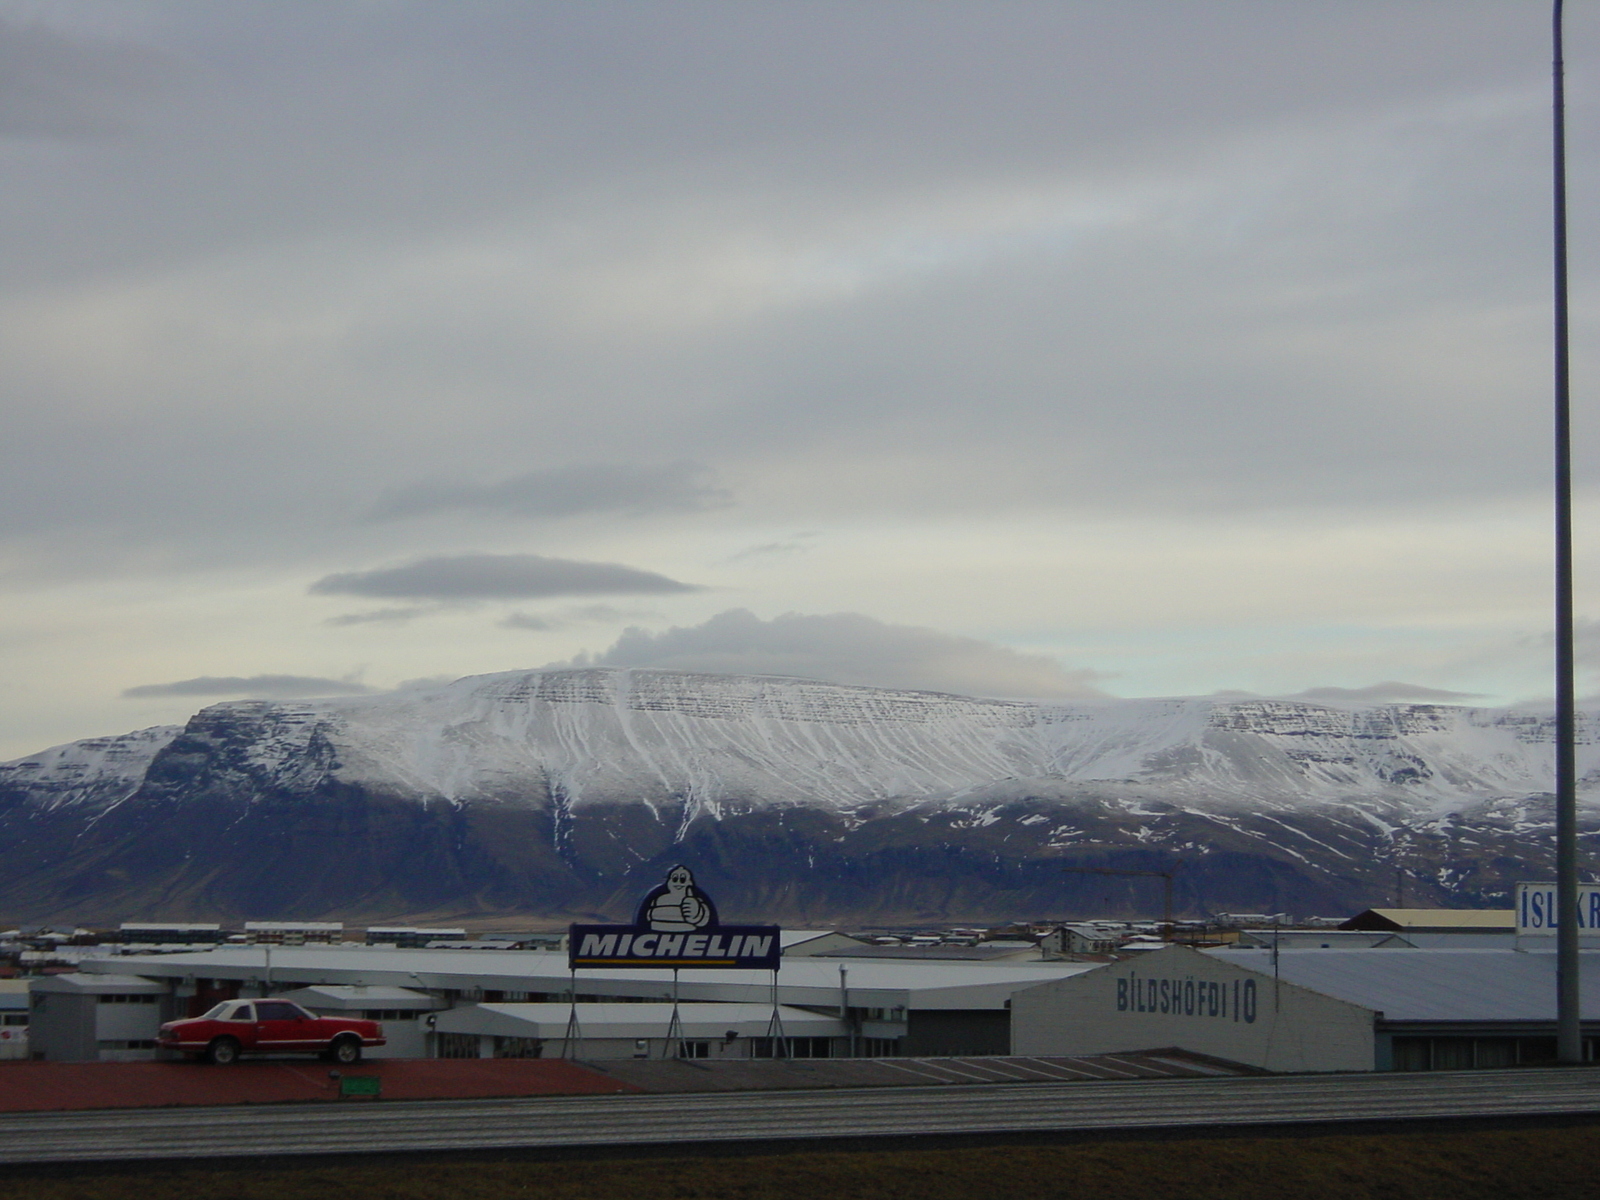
(555, 792)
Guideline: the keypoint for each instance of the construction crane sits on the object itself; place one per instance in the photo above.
(1164, 876)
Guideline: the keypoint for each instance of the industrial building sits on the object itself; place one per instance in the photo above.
(1380, 1008)
(408, 937)
(610, 1031)
(169, 933)
(1442, 928)
(293, 933)
(14, 1018)
(101, 1016)
(1183, 998)
(878, 1007)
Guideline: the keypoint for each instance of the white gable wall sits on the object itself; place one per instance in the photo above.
(1177, 997)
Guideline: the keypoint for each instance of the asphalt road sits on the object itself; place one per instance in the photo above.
(692, 1120)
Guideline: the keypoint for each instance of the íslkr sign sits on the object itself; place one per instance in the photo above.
(676, 926)
(1538, 912)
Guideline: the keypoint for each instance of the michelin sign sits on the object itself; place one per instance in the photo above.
(676, 926)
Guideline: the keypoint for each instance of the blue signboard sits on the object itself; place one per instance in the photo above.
(1537, 910)
(676, 926)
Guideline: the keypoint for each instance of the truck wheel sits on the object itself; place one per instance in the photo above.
(346, 1051)
(222, 1051)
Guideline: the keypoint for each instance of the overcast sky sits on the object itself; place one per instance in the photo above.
(1057, 349)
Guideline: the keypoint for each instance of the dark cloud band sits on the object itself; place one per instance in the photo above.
(498, 577)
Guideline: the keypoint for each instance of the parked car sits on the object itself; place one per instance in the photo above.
(237, 1027)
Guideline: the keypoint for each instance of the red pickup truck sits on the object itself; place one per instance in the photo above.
(237, 1027)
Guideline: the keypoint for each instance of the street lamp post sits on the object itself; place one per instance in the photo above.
(1569, 1030)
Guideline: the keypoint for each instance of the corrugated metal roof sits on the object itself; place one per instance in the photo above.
(1431, 985)
(97, 983)
(549, 1021)
(357, 997)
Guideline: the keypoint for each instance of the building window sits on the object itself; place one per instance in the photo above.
(518, 1047)
(119, 999)
(13, 1018)
(694, 1049)
(457, 1045)
(1465, 1053)
(127, 1044)
(878, 1047)
(795, 1047)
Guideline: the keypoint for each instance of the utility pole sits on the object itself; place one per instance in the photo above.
(1569, 1030)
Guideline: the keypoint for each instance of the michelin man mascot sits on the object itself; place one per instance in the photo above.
(677, 907)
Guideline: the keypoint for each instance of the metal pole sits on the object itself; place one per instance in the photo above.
(844, 1009)
(1569, 1030)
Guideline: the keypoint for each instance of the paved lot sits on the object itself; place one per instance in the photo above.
(698, 1120)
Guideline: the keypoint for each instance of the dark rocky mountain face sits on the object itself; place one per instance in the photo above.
(563, 795)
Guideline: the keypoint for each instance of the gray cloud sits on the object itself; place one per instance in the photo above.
(944, 307)
(847, 648)
(287, 686)
(527, 621)
(498, 577)
(798, 544)
(55, 84)
(381, 616)
(566, 491)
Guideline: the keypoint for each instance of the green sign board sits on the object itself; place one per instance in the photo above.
(361, 1085)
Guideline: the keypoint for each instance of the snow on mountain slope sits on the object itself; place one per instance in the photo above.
(577, 737)
(94, 773)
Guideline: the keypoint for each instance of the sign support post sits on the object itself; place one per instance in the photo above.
(775, 1034)
(674, 1046)
(573, 1042)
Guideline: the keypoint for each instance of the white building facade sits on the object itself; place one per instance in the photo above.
(1181, 998)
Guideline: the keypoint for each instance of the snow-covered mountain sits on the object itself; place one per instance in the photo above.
(557, 791)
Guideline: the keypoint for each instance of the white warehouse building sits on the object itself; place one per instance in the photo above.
(1311, 1009)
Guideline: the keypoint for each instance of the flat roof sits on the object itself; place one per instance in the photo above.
(801, 980)
(1405, 984)
(549, 1021)
(358, 996)
(98, 983)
